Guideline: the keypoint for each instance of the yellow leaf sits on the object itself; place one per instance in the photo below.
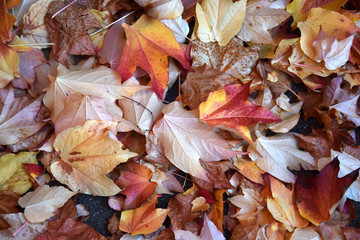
(87, 154)
(9, 65)
(13, 175)
(219, 21)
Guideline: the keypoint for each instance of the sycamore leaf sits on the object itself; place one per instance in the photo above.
(78, 109)
(229, 107)
(340, 28)
(143, 220)
(318, 195)
(334, 53)
(100, 82)
(179, 27)
(17, 118)
(282, 205)
(86, 155)
(7, 21)
(68, 30)
(9, 64)
(34, 30)
(279, 154)
(299, 9)
(162, 9)
(233, 59)
(40, 204)
(149, 43)
(259, 19)
(69, 229)
(142, 109)
(13, 175)
(186, 140)
(134, 179)
(219, 20)
(16, 221)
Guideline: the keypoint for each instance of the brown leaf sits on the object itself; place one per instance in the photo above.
(316, 144)
(7, 21)
(67, 211)
(8, 202)
(233, 59)
(180, 211)
(69, 229)
(68, 30)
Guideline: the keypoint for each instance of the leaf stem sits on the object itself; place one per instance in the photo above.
(17, 231)
(62, 9)
(308, 66)
(109, 25)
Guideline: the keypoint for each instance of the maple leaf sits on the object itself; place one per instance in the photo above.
(13, 174)
(259, 19)
(78, 109)
(162, 9)
(149, 43)
(134, 179)
(68, 30)
(16, 221)
(219, 20)
(229, 107)
(9, 65)
(69, 229)
(86, 155)
(100, 82)
(143, 220)
(40, 204)
(318, 195)
(279, 154)
(186, 140)
(17, 118)
(34, 30)
(233, 59)
(7, 21)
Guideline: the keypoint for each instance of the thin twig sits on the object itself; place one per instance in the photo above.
(17, 231)
(109, 25)
(139, 103)
(62, 9)
(31, 44)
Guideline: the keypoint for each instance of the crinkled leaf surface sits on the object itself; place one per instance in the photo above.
(40, 204)
(149, 43)
(186, 140)
(87, 154)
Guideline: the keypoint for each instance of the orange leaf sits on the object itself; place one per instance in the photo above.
(143, 220)
(148, 44)
(229, 107)
(7, 21)
(318, 195)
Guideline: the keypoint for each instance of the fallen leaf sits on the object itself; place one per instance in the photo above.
(305, 233)
(216, 214)
(201, 82)
(219, 21)
(142, 109)
(168, 9)
(20, 10)
(318, 195)
(179, 130)
(34, 30)
(135, 180)
(149, 43)
(229, 107)
(349, 108)
(233, 59)
(40, 204)
(179, 27)
(155, 152)
(16, 221)
(68, 30)
(9, 202)
(282, 205)
(7, 21)
(17, 118)
(9, 65)
(78, 109)
(316, 144)
(100, 82)
(143, 220)
(199, 204)
(250, 170)
(259, 19)
(86, 155)
(13, 174)
(69, 229)
(279, 154)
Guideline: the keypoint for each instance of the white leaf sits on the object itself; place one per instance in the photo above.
(209, 231)
(179, 27)
(349, 108)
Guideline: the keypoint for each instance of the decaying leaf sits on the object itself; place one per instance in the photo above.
(86, 155)
(40, 204)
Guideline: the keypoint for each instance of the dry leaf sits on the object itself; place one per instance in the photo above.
(162, 9)
(7, 21)
(40, 204)
(219, 20)
(9, 65)
(179, 27)
(86, 155)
